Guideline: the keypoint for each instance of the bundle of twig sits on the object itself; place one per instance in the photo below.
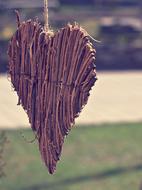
(52, 75)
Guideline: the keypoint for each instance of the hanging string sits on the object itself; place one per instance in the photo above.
(46, 25)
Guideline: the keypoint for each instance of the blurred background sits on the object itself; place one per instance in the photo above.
(104, 150)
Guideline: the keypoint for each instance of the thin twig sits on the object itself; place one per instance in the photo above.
(18, 18)
(98, 41)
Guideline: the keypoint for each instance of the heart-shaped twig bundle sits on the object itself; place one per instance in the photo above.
(52, 75)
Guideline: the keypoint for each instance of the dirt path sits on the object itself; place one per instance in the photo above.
(116, 97)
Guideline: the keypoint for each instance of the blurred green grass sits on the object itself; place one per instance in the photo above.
(101, 157)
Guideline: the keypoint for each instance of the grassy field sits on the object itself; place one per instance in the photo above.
(94, 157)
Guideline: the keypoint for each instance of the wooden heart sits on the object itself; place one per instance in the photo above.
(52, 75)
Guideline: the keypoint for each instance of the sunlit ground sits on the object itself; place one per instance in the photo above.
(116, 97)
